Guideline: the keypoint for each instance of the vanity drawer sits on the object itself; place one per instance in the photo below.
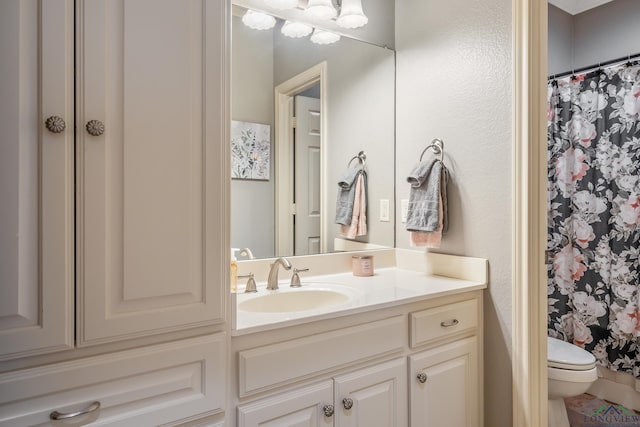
(271, 366)
(440, 322)
(148, 386)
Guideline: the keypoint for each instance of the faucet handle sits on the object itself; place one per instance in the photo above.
(295, 279)
(251, 283)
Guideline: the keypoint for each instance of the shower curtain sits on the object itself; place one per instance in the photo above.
(594, 214)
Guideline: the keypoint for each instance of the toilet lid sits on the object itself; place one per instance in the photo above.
(562, 355)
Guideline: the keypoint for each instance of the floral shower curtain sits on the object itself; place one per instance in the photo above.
(594, 214)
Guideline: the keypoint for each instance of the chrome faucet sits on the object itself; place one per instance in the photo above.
(272, 282)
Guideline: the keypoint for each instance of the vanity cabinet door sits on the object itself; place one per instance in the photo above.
(373, 397)
(151, 175)
(306, 407)
(36, 177)
(443, 385)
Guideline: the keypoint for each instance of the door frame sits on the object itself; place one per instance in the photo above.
(283, 95)
(529, 303)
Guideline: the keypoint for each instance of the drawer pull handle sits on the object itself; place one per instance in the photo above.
(449, 323)
(328, 410)
(55, 415)
(422, 377)
(347, 402)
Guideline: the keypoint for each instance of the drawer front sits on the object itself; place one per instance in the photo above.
(148, 386)
(440, 322)
(271, 366)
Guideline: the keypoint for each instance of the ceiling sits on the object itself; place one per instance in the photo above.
(577, 6)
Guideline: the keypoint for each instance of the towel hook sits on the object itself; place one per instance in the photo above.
(438, 147)
(361, 157)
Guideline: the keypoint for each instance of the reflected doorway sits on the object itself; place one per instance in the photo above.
(300, 162)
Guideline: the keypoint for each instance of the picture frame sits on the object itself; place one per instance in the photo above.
(250, 151)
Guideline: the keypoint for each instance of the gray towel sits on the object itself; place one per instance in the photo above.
(346, 195)
(348, 178)
(428, 183)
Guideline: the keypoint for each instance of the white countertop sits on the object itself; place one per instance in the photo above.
(387, 288)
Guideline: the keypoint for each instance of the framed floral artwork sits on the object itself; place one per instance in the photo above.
(250, 151)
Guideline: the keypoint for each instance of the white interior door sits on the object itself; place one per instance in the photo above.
(307, 176)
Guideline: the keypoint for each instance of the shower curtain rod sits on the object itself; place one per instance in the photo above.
(595, 66)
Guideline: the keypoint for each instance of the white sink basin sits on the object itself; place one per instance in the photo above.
(288, 300)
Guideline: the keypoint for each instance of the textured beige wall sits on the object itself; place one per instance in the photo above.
(454, 76)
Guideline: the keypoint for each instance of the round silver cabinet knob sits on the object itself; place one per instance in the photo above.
(328, 410)
(347, 402)
(55, 124)
(422, 377)
(95, 127)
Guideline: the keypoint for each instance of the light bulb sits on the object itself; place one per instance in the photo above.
(352, 15)
(320, 9)
(258, 20)
(296, 29)
(324, 37)
(282, 4)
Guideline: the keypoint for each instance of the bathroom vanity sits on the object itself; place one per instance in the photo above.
(115, 300)
(405, 348)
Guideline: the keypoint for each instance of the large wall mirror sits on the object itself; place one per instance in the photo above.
(285, 171)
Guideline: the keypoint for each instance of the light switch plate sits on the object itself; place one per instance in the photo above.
(384, 210)
(404, 209)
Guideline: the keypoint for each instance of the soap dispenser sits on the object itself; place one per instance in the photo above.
(234, 270)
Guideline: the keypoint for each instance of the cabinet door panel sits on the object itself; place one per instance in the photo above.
(151, 186)
(449, 396)
(298, 408)
(36, 177)
(378, 393)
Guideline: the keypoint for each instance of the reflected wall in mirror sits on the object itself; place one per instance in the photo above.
(347, 109)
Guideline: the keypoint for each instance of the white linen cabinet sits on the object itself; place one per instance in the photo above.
(113, 172)
(123, 200)
(150, 158)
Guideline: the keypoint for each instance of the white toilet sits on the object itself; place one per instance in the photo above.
(571, 371)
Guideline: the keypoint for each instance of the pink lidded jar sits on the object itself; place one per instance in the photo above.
(362, 265)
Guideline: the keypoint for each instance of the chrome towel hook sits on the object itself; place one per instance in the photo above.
(361, 157)
(437, 145)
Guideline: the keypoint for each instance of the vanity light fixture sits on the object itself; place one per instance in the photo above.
(282, 4)
(296, 29)
(258, 20)
(324, 37)
(320, 9)
(352, 15)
